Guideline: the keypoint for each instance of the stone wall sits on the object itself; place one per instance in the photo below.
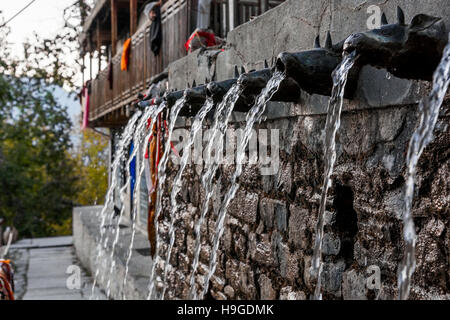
(266, 249)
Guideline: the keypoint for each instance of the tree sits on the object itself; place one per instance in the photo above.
(42, 176)
(36, 173)
(91, 157)
(37, 170)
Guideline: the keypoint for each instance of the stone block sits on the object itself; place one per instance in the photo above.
(354, 286)
(287, 293)
(267, 292)
(244, 206)
(300, 227)
(273, 213)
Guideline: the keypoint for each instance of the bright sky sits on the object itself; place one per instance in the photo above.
(43, 17)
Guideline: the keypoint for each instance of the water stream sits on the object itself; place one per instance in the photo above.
(137, 140)
(218, 128)
(331, 127)
(161, 181)
(254, 115)
(107, 210)
(429, 111)
(177, 183)
(155, 111)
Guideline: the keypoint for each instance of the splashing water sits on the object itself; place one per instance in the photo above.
(161, 180)
(177, 183)
(106, 210)
(331, 127)
(429, 108)
(254, 115)
(137, 139)
(153, 114)
(221, 118)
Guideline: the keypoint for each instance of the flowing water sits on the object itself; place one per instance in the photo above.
(154, 116)
(108, 211)
(137, 140)
(429, 108)
(221, 118)
(161, 181)
(254, 115)
(177, 183)
(331, 127)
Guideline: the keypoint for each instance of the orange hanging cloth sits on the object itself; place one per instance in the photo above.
(154, 154)
(6, 281)
(125, 55)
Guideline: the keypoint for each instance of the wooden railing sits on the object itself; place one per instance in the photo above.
(106, 105)
(143, 64)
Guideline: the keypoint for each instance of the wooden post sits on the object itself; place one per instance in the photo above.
(90, 65)
(99, 47)
(113, 26)
(223, 11)
(153, 155)
(82, 68)
(232, 14)
(263, 6)
(133, 16)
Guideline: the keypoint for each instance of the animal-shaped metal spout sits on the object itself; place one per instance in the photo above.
(407, 51)
(196, 95)
(253, 83)
(172, 97)
(217, 90)
(312, 69)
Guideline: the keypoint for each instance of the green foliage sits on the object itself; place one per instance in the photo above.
(92, 162)
(36, 174)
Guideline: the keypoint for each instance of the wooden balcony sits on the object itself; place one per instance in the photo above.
(108, 106)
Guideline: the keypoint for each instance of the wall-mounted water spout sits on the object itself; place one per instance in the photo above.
(312, 69)
(406, 51)
(253, 83)
(217, 90)
(196, 95)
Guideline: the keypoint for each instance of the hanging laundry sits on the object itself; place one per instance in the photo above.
(153, 12)
(202, 39)
(125, 55)
(132, 171)
(110, 75)
(154, 155)
(85, 104)
(6, 280)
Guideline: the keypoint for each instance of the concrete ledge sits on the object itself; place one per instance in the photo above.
(86, 237)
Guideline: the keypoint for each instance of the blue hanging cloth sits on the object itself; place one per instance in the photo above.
(132, 172)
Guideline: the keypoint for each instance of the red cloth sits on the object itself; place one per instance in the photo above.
(209, 38)
(85, 99)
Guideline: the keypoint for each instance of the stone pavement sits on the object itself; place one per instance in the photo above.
(48, 269)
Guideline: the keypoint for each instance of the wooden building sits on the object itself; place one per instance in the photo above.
(113, 21)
